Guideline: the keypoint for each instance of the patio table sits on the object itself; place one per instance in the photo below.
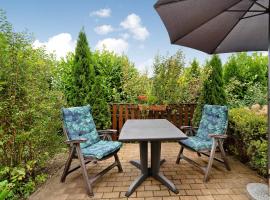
(154, 131)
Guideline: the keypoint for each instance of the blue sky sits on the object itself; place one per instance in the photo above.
(129, 26)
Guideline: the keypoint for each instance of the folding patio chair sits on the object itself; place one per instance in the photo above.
(210, 135)
(87, 144)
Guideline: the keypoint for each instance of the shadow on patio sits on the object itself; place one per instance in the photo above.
(223, 185)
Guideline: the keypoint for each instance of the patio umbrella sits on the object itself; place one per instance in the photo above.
(219, 26)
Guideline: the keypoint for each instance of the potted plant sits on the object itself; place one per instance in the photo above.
(150, 105)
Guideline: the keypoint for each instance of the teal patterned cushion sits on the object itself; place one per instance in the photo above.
(197, 143)
(214, 121)
(101, 148)
(79, 123)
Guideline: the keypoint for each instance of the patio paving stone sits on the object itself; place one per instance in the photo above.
(223, 185)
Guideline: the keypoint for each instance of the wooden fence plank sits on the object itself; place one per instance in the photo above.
(186, 115)
(114, 116)
(126, 112)
(120, 117)
(132, 110)
(180, 110)
(192, 112)
(178, 114)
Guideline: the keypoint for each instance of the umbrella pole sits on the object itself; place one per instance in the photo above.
(259, 191)
(268, 101)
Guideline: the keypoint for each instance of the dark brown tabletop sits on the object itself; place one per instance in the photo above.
(150, 130)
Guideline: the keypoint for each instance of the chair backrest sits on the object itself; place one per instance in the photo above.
(214, 121)
(79, 123)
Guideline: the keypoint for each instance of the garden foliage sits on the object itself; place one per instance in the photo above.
(190, 82)
(248, 138)
(29, 112)
(245, 78)
(212, 90)
(98, 78)
(167, 71)
(34, 87)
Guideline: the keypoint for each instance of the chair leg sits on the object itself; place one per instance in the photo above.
(67, 165)
(120, 169)
(179, 155)
(223, 155)
(84, 172)
(210, 162)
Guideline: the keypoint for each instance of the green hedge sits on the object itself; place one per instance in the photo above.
(248, 138)
(30, 120)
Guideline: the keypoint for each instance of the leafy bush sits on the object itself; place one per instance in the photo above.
(4, 190)
(190, 83)
(212, 90)
(167, 71)
(248, 138)
(255, 93)
(29, 111)
(245, 78)
(99, 78)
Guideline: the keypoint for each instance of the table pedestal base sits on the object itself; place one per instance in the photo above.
(137, 163)
(153, 170)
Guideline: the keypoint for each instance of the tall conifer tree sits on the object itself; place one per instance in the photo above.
(194, 69)
(212, 91)
(83, 73)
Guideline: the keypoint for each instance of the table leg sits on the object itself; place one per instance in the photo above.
(161, 178)
(135, 184)
(143, 166)
(136, 163)
(155, 166)
(153, 171)
(162, 161)
(155, 157)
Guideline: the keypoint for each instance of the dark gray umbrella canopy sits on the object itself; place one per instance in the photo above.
(217, 26)
(220, 26)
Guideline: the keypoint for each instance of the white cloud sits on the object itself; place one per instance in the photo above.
(118, 46)
(104, 29)
(133, 24)
(103, 13)
(59, 44)
(125, 36)
(146, 66)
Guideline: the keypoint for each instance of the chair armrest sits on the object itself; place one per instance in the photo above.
(107, 131)
(107, 134)
(218, 136)
(78, 141)
(185, 127)
(188, 127)
(189, 130)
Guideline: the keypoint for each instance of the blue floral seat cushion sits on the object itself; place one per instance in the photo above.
(214, 121)
(101, 148)
(197, 143)
(79, 123)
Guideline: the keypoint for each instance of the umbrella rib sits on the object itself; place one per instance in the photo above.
(258, 4)
(178, 38)
(254, 15)
(166, 3)
(251, 11)
(174, 1)
(232, 28)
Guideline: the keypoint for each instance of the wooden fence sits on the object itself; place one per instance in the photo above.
(178, 114)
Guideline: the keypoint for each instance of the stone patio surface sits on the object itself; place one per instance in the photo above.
(223, 185)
